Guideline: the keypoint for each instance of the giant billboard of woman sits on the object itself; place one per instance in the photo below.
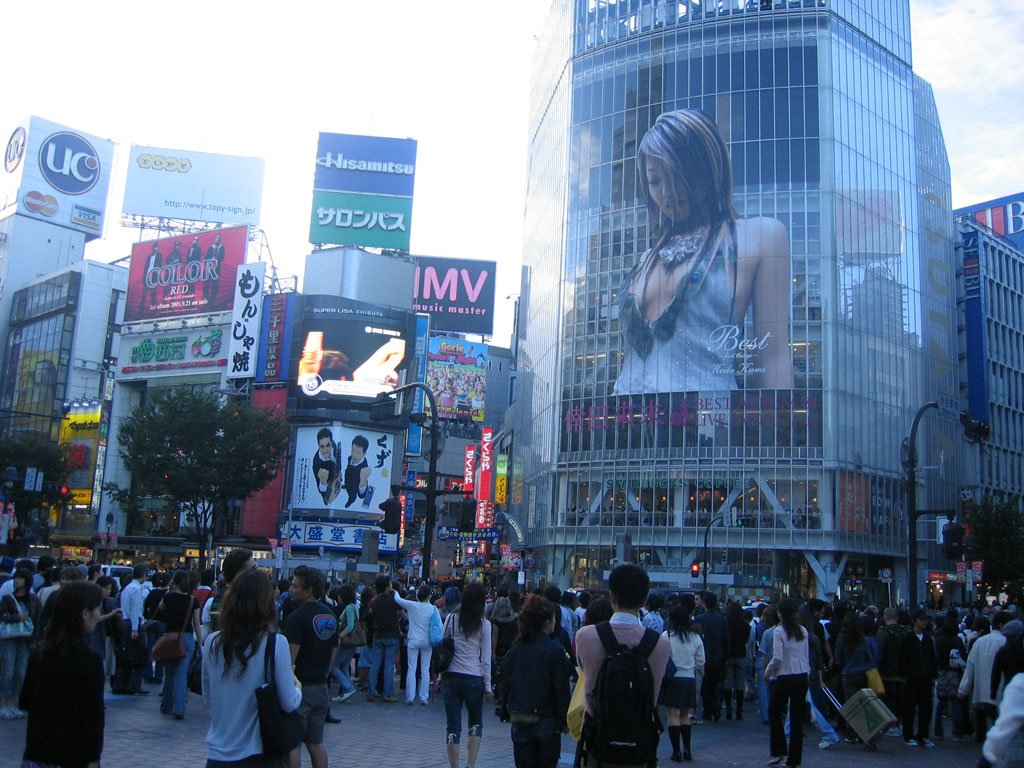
(684, 305)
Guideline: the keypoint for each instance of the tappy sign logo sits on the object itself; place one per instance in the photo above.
(15, 150)
(69, 163)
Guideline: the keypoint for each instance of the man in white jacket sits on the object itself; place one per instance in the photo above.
(975, 683)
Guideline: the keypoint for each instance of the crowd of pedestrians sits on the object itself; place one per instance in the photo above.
(601, 665)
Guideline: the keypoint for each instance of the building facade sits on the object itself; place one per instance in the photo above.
(797, 488)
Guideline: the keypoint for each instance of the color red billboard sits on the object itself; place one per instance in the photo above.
(184, 274)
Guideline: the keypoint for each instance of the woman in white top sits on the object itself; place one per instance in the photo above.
(420, 613)
(679, 693)
(233, 669)
(468, 678)
(790, 665)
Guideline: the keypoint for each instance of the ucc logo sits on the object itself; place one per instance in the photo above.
(69, 163)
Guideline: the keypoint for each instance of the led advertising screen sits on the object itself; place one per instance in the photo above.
(197, 186)
(362, 191)
(342, 471)
(61, 175)
(457, 293)
(349, 351)
(184, 275)
(457, 372)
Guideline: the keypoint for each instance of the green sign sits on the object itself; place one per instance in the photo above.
(348, 218)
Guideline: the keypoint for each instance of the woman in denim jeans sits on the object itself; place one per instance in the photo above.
(14, 651)
(178, 612)
(468, 678)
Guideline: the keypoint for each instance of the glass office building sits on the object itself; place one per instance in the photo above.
(794, 480)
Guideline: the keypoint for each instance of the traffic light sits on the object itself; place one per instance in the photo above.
(392, 509)
(467, 515)
(952, 540)
(63, 490)
(694, 569)
(975, 431)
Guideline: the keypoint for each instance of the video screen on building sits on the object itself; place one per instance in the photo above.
(348, 352)
(457, 373)
(184, 275)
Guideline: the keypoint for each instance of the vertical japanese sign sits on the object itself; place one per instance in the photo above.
(410, 500)
(414, 437)
(469, 469)
(245, 321)
(485, 507)
(501, 481)
(275, 337)
(974, 321)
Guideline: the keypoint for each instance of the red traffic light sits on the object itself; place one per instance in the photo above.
(64, 490)
(695, 569)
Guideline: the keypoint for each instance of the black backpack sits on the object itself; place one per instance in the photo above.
(624, 727)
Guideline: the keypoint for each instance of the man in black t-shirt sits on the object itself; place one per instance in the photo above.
(312, 632)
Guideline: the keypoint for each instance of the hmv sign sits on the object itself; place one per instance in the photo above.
(61, 175)
(457, 293)
(1004, 216)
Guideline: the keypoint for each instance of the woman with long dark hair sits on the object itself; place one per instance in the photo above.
(679, 692)
(16, 608)
(177, 611)
(737, 639)
(468, 678)
(233, 669)
(63, 690)
(535, 695)
(790, 665)
(853, 656)
(950, 660)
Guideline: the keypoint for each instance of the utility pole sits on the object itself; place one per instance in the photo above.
(707, 530)
(909, 459)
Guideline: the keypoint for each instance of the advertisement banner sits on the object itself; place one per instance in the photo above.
(362, 191)
(1004, 216)
(36, 386)
(277, 321)
(854, 503)
(245, 321)
(457, 372)
(146, 355)
(336, 536)
(501, 480)
(349, 351)
(469, 469)
(345, 471)
(184, 275)
(483, 491)
(974, 328)
(349, 218)
(197, 186)
(457, 293)
(62, 175)
(414, 435)
(79, 436)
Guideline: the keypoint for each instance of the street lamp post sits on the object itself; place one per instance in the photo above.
(10, 478)
(707, 530)
(909, 460)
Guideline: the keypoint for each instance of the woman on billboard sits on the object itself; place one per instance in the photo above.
(684, 304)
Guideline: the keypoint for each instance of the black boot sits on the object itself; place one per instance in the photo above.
(686, 731)
(673, 736)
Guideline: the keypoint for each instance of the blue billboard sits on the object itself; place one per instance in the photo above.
(1004, 216)
(373, 165)
(974, 322)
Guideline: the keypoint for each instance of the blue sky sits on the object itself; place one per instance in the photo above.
(262, 79)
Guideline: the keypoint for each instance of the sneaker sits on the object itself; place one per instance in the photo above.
(423, 702)
(19, 714)
(696, 720)
(390, 700)
(894, 732)
(911, 742)
(7, 714)
(368, 497)
(927, 743)
(825, 744)
(341, 698)
(776, 760)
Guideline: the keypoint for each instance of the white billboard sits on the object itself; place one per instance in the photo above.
(199, 186)
(58, 175)
(342, 471)
(245, 321)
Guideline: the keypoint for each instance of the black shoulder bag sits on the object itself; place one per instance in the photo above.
(281, 731)
(443, 654)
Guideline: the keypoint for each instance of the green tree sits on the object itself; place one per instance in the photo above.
(46, 457)
(997, 528)
(199, 453)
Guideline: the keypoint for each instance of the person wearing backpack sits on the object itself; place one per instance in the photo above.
(623, 665)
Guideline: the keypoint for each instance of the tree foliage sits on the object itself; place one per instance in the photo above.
(49, 458)
(997, 528)
(199, 454)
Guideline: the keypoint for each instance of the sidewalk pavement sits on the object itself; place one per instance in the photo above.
(402, 736)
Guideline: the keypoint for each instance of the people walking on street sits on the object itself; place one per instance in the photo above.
(468, 678)
(890, 636)
(63, 690)
(535, 696)
(950, 658)
(712, 624)
(853, 658)
(504, 628)
(238, 560)
(421, 613)
(769, 619)
(386, 638)
(789, 666)
(1004, 741)
(737, 634)
(16, 608)
(349, 616)
(975, 685)
(679, 692)
(312, 632)
(128, 675)
(233, 668)
(917, 662)
(153, 673)
(178, 613)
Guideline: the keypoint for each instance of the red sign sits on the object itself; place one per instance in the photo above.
(468, 469)
(184, 275)
(486, 464)
(485, 514)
